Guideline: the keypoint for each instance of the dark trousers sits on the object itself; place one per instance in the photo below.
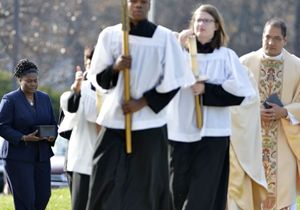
(200, 172)
(30, 183)
(80, 190)
(139, 181)
(69, 178)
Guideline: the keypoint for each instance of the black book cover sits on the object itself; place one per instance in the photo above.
(273, 99)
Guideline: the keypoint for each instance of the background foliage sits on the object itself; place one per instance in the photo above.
(6, 86)
(53, 33)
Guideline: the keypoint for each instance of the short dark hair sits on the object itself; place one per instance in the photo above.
(24, 67)
(278, 23)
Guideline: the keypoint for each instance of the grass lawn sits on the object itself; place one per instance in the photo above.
(60, 200)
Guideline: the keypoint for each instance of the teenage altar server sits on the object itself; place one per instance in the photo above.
(200, 155)
(138, 180)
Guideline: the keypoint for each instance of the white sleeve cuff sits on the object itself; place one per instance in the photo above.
(292, 119)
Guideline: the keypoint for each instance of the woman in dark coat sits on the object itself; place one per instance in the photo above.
(26, 154)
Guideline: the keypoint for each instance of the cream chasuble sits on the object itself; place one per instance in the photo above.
(280, 139)
(247, 184)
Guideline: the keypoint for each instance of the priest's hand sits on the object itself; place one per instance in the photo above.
(274, 113)
(198, 88)
(270, 202)
(133, 105)
(122, 63)
(267, 114)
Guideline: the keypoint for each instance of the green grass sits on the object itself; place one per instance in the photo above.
(60, 200)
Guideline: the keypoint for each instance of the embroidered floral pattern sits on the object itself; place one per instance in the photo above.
(286, 208)
(270, 81)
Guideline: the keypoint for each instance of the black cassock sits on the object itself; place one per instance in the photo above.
(200, 170)
(139, 181)
(131, 182)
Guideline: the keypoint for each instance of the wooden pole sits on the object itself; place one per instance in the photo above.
(125, 29)
(194, 65)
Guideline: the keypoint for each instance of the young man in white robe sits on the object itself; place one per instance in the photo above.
(137, 181)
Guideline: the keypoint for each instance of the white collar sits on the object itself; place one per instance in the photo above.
(278, 57)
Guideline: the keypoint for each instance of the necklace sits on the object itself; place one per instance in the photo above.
(30, 102)
(30, 99)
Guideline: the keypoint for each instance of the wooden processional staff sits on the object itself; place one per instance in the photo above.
(194, 65)
(125, 29)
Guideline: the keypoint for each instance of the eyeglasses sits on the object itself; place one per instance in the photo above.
(275, 38)
(205, 20)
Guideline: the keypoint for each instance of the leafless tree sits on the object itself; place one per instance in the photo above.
(54, 33)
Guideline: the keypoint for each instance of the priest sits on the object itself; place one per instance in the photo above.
(276, 71)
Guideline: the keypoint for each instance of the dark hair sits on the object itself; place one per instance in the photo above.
(278, 23)
(220, 37)
(24, 67)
